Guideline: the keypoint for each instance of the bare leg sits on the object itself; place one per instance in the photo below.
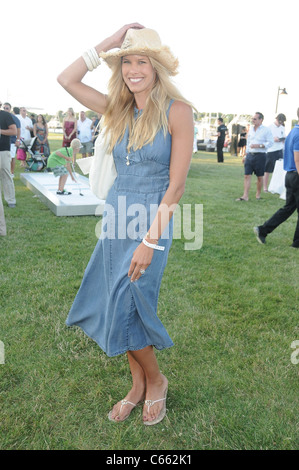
(156, 383)
(247, 183)
(259, 185)
(62, 181)
(135, 395)
(266, 179)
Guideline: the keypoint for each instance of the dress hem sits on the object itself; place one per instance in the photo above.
(129, 348)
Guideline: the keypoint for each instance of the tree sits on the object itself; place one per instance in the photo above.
(90, 114)
(60, 115)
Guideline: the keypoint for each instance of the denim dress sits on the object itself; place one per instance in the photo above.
(118, 314)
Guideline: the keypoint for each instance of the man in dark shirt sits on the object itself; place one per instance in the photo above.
(7, 129)
(221, 132)
(291, 166)
(14, 139)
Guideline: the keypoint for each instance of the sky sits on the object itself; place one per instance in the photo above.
(234, 56)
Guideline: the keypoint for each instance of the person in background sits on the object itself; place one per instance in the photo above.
(8, 128)
(69, 127)
(33, 120)
(276, 151)
(2, 215)
(85, 134)
(14, 139)
(242, 143)
(40, 131)
(60, 163)
(259, 140)
(195, 139)
(95, 127)
(291, 166)
(221, 132)
(26, 129)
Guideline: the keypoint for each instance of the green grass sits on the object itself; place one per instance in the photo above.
(231, 309)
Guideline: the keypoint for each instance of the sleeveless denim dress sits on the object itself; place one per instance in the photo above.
(118, 314)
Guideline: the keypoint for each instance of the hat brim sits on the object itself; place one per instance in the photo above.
(163, 55)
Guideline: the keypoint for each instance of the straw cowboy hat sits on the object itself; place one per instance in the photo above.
(143, 42)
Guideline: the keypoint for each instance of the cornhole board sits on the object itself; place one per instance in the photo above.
(45, 185)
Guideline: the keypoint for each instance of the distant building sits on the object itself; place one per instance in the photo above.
(54, 125)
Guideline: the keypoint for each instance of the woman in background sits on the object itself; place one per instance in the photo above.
(69, 127)
(242, 143)
(40, 130)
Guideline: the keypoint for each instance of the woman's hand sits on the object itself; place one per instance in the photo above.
(118, 37)
(142, 258)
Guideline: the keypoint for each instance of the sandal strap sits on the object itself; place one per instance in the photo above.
(150, 403)
(126, 402)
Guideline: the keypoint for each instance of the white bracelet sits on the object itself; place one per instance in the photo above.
(96, 59)
(87, 61)
(91, 59)
(152, 245)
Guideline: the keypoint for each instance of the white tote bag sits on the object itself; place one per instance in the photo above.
(277, 184)
(102, 172)
(101, 168)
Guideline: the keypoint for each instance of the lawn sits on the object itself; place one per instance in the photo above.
(231, 309)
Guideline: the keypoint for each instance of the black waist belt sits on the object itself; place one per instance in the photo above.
(257, 153)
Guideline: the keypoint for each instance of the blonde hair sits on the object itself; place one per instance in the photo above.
(119, 113)
(75, 144)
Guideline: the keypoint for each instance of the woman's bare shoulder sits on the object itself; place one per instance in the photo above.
(179, 106)
(180, 112)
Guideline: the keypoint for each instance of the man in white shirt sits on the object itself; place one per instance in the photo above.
(26, 124)
(84, 132)
(259, 140)
(276, 151)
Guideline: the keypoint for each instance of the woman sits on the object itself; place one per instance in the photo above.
(242, 143)
(69, 127)
(150, 128)
(40, 130)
